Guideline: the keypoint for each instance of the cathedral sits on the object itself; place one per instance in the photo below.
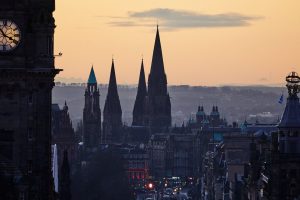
(151, 112)
(27, 74)
(152, 107)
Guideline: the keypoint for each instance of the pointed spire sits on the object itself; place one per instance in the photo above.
(157, 65)
(157, 82)
(138, 110)
(142, 88)
(112, 103)
(92, 78)
(112, 87)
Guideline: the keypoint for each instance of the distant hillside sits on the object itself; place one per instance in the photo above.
(235, 103)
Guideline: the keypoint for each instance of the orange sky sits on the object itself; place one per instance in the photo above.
(205, 42)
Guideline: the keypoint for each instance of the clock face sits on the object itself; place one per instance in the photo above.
(10, 35)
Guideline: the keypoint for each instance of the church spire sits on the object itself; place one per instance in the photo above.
(112, 114)
(142, 88)
(138, 110)
(159, 108)
(112, 103)
(157, 77)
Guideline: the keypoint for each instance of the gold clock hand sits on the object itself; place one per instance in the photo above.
(5, 35)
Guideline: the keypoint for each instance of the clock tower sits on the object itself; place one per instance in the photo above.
(27, 74)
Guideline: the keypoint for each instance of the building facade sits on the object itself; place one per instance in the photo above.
(63, 134)
(26, 80)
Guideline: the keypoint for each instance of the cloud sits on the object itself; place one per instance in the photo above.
(179, 19)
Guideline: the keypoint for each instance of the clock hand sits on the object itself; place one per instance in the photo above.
(5, 35)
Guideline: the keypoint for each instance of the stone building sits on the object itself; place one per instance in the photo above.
(63, 134)
(153, 106)
(91, 114)
(27, 74)
(281, 173)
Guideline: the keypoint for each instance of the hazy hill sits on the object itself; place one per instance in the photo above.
(235, 103)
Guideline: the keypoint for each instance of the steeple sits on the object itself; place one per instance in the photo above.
(92, 78)
(139, 105)
(112, 102)
(157, 83)
(112, 113)
(159, 104)
(91, 113)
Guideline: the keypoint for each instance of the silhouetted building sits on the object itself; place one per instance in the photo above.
(27, 74)
(139, 110)
(112, 113)
(280, 174)
(159, 104)
(65, 180)
(63, 134)
(91, 114)
(212, 120)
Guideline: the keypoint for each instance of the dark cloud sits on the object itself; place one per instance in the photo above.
(177, 19)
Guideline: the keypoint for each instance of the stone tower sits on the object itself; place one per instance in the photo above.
(112, 113)
(91, 114)
(283, 178)
(27, 74)
(159, 104)
(139, 112)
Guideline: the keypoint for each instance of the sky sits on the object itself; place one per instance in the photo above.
(204, 42)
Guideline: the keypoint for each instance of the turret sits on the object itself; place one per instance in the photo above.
(289, 126)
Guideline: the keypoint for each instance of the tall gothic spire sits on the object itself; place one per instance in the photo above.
(112, 114)
(112, 103)
(138, 110)
(157, 83)
(159, 104)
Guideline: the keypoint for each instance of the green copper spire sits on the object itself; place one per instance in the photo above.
(92, 78)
